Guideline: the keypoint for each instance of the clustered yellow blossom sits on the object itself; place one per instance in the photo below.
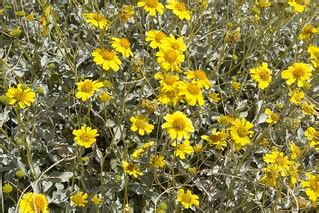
(131, 169)
(261, 74)
(33, 203)
(22, 96)
(187, 199)
(79, 199)
(178, 126)
(85, 136)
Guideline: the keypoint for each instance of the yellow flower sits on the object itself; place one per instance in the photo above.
(22, 95)
(126, 12)
(107, 58)
(200, 77)
(157, 161)
(204, 4)
(140, 124)
(131, 169)
(240, 132)
(178, 125)
(235, 85)
(97, 200)
(148, 145)
(226, 120)
(30, 17)
(170, 59)
(179, 9)
(214, 97)
(312, 186)
(151, 6)
(21, 13)
(293, 174)
(79, 199)
(172, 43)
(192, 170)
(171, 97)
(7, 188)
(142, 150)
(272, 117)
(85, 136)
(261, 74)
(168, 82)
(217, 138)
(307, 31)
(155, 37)
(97, 19)
(123, 46)
(295, 151)
(314, 55)
(182, 149)
(104, 96)
(187, 199)
(192, 93)
(313, 137)
(87, 88)
(16, 32)
(33, 203)
(279, 161)
(298, 6)
(299, 72)
(138, 153)
(296, 96)
(271, 176)
(308, 108)
(149, 105)
(263, 3)
(198, 148)
(20, 173)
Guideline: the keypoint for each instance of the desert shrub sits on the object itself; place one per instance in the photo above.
(159, 106)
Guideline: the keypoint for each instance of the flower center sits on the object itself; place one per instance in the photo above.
(130, 167)
(171, 94)
(179, 123)
(214, 138)
(314, 184)
(38, 203)
(125, 43)
(175, 45)
(264, 75)
(281, 161)
(170, 56)
(298, 72)
(193, 89)
(85, 137)
(182, 147)
(169, 80)
(302, 2)
(316, 54)
(151, 3)
(98, 17)
(159, 36)
(274, 117)
(200, 74)
(242, 131)
(20, 95)
(140, 123)
(107, 55)
(87, 87)
(180, 6)
(78, 199)
(187, 198)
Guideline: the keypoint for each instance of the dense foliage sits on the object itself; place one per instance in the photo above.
(159, 105)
